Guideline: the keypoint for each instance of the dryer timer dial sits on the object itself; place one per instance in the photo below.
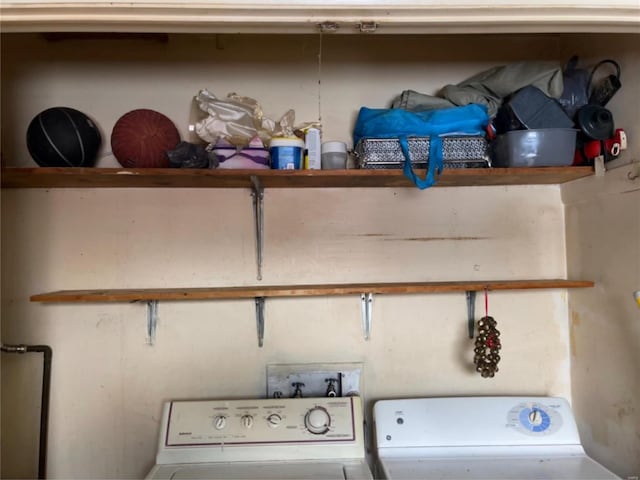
(317, 420)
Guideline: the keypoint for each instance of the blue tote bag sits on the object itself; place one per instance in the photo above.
(401, 124)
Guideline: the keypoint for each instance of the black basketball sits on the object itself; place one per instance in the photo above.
(63, 137)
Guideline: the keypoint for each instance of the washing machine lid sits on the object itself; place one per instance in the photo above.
(328, 470)
(495, 468)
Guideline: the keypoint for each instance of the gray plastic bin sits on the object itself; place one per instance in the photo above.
(548, 147)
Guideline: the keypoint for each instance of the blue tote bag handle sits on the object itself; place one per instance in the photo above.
(434, 166)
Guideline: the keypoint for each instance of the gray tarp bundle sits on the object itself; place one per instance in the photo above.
(489, 87)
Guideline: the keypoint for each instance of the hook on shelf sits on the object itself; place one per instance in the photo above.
(471, 311)
(257, 192)
(152, 321)
(260, 319)
(367, 311)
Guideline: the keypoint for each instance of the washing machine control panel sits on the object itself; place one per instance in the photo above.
(474, 421)
(261, 421)
(534, 418)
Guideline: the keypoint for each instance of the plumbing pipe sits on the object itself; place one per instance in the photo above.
(44, 404)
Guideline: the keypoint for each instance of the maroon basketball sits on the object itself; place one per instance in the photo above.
(141, 139)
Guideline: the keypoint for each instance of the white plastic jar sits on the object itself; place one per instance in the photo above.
(334, 155)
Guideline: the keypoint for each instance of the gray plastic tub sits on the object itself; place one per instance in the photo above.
(548, 147)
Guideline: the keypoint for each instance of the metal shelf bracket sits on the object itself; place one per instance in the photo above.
(257, 192)
(152, 321)
(471, 311)
(367, 304)
(260, 319)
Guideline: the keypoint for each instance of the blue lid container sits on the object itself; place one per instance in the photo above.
(286, 153)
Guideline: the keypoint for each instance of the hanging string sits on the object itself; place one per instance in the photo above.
(486, 301)
(320, 78)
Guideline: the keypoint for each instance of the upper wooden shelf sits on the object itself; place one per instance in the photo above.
(196, 178)
(138, 295)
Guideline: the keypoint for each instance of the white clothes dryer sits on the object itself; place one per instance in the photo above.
(481, 438)
(292, 438)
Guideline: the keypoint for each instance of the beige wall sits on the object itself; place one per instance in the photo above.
(603, 243)
(108, 385)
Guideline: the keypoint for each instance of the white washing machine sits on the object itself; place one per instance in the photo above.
(301, 438)
(481, 438)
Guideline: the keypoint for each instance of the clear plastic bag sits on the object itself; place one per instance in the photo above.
(238, 120)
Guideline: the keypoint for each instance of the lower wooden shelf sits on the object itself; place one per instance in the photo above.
(172, 294)
(259, 293)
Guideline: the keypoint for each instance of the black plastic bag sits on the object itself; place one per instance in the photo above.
(576, 87)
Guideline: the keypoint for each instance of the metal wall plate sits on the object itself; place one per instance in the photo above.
(314, 380)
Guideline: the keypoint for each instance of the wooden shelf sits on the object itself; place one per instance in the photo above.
(197, 178)
(163, 294)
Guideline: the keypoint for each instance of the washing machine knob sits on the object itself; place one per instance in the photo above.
(317, 420)
(535, 417)
(274, 420)
(219, 422)
(247, 421)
